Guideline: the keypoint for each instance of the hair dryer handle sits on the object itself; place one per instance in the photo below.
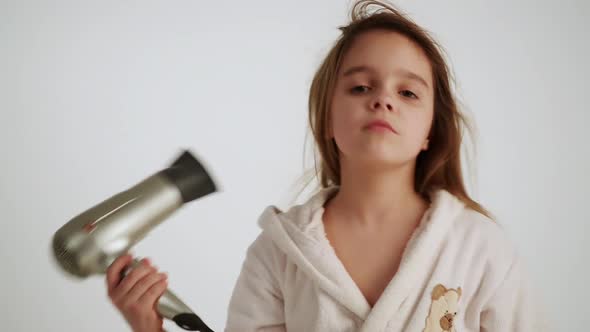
(171, 307)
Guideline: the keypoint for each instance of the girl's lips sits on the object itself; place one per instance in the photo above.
(380, 125)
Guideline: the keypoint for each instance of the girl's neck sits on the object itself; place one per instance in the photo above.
(374, 197)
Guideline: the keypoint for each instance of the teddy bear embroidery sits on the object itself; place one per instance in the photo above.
(443, 309)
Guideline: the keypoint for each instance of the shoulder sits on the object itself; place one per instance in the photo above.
(468, 232)
(488, 234)
(486, 241)
(263, 250)
(473, 223)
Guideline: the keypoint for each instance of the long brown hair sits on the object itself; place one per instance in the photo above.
(437, 167)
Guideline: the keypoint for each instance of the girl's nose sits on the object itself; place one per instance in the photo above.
(382, 102)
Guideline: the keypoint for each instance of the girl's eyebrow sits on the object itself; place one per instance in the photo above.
(402, 72)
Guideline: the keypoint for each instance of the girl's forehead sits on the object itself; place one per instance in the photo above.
(386, 52)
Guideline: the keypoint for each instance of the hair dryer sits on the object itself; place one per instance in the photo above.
(91, 241)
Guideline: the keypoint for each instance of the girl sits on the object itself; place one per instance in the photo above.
(392, 241)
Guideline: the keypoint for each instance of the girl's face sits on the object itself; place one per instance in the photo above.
(383, 77)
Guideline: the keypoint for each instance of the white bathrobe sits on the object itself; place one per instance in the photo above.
(459, 272)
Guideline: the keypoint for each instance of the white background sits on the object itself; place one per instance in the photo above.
(96, 96)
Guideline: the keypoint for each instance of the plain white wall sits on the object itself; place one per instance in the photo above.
(96, 96)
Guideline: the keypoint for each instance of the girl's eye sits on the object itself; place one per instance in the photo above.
(409, 94)
(363, 88)
(359, 89)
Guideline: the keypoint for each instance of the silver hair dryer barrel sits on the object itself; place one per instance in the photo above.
(91, 241)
